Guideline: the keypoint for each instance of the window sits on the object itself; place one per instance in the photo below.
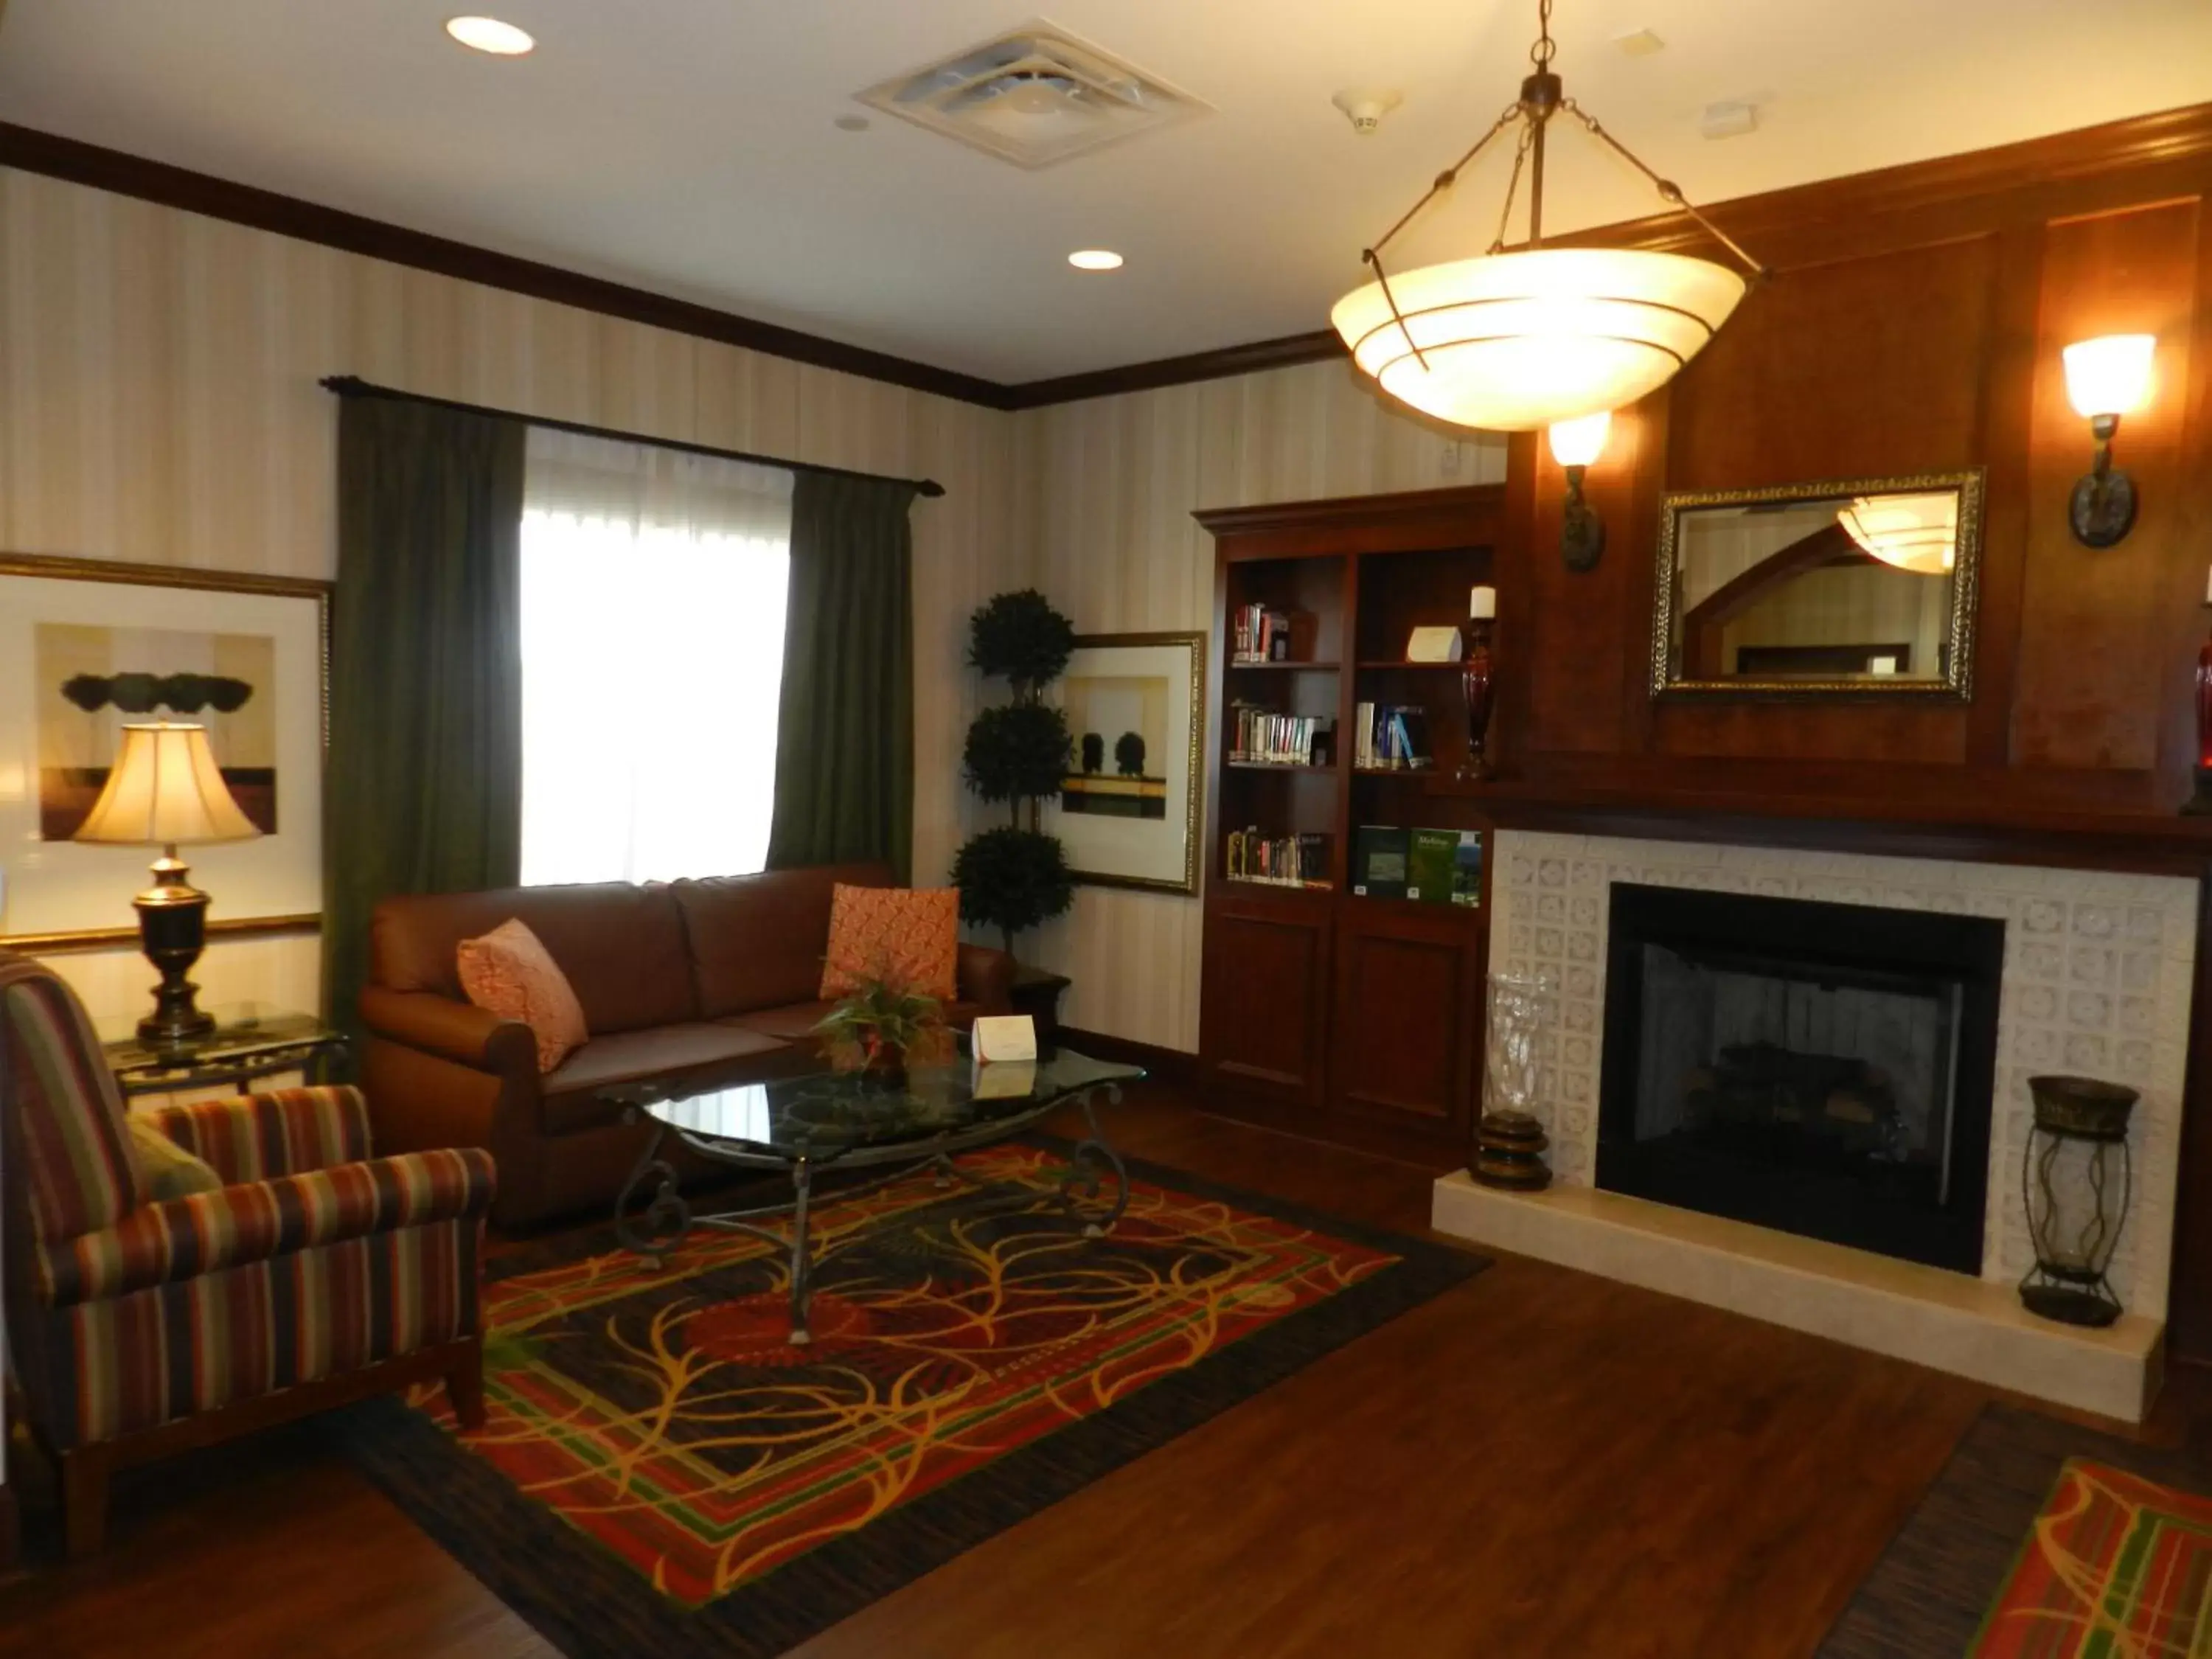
(653, 599)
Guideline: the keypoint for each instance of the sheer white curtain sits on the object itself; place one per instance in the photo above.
(653, 602)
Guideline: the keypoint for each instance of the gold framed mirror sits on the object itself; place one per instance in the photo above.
(1858, 587)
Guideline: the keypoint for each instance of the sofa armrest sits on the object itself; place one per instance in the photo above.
(986, 977)
(282, 1132)
(182, 1238)
(453, 1030)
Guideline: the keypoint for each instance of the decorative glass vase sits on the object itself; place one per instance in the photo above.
(2075, 1181)
(1510, 1142)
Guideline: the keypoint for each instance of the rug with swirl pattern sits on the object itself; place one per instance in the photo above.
(662, 1471)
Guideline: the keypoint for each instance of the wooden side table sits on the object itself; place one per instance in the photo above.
(251, 1041)
(1037, 994)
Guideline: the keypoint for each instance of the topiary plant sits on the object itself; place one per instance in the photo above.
(1094, 752)
(1011, 879)
(1129, 755)
(1020, 637)
(1018, 751)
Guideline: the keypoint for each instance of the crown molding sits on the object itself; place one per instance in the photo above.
(2171, 147)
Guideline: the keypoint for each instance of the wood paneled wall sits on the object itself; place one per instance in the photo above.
(1914, 323)
(158, 404)
(1106, 489)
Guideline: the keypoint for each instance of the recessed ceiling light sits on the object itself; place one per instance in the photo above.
(1095, 259)
(851, 124)
(490, 35)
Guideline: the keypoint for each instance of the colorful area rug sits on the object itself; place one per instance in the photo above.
(2042, 1540)
(662, 1472)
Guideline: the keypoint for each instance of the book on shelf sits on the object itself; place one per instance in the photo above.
(1266, 737)
(1264, 634)
(1467, 869)
(1379, 853)
(1294, 860)
(1430, 855)
(1391, 737)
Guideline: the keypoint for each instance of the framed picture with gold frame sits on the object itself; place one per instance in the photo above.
(1127, 812)
(89, 645)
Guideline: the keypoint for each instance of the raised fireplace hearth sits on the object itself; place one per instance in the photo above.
(2093, 972)
(1821, 1068)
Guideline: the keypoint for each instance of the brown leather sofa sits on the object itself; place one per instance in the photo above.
(715, 976)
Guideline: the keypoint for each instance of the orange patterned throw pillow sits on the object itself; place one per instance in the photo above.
(910, 936)
(510, 972)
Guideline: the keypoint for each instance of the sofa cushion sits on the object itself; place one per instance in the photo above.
(168, 1170)
(907, 936)
(621, 946)
(757, 941)
(509, 973)
(571, 1098)
(796, 1023)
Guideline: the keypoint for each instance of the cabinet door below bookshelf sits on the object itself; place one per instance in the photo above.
(1406, 1010)
(1266, 996)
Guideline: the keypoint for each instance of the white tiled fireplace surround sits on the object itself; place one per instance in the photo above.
(2097, 980)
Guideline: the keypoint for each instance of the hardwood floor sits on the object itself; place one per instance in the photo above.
(1537, 1463)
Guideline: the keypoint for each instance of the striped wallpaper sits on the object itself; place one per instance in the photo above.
(1106, 489)
(158, 404)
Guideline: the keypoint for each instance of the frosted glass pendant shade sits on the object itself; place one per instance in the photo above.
(1919, 533)
(1518, 341)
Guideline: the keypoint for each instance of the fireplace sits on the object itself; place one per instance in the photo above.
(1823, 1068)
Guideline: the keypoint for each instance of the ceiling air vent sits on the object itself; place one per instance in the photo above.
(1035, 96)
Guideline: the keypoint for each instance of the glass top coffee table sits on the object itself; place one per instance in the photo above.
(815, 1122)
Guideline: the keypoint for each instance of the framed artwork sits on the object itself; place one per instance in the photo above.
(1128, 812)
(89, 645)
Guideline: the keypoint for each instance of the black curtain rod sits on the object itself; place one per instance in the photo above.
(352, 386)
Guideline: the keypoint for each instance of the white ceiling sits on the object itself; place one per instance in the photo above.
(686, 146)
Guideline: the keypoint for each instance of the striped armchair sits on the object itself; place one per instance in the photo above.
(315, 1275)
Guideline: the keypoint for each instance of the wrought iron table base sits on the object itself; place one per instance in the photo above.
(656, 1227)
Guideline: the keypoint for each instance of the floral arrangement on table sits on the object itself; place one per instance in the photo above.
(884, 1026)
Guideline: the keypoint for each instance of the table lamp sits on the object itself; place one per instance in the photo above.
(165, 790)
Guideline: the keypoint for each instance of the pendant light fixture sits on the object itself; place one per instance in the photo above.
(1508, 342)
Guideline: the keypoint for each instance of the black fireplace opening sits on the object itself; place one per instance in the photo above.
(1825, 1069)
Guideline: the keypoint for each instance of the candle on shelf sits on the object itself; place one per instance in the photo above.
(1482, 602)
(2208, 586)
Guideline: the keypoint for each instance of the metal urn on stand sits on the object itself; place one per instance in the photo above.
(1510, 1141)
(1477, 679)
(2076, 1179)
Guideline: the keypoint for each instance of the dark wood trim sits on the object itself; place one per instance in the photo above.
(1395, 512)
(79, 163)
(352, 386)
(1285, 352)
(1168, 1065)
(2055, 165)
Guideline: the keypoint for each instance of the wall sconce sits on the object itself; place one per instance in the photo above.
(1575, 445)
(2105, 378)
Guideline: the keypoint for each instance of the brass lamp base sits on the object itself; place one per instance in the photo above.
(171, 932)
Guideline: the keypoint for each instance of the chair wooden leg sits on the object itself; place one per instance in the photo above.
(84, 1500)
(465, 1385)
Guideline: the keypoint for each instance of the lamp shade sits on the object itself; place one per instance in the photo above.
(1517, 341)
(1579, 442)
(2110, 375)
(164, 790)
(1919, 533)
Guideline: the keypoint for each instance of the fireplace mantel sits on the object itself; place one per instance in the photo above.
(1880, 813)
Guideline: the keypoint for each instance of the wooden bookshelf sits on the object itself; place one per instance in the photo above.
(1357, 1018)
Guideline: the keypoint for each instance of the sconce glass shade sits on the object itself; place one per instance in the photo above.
(1517, 341)
(1919, 533)
(1578, 443)
(165, 790)
(2110, 375)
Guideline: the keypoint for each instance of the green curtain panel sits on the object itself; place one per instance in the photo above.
(844, 742)
(424, 789)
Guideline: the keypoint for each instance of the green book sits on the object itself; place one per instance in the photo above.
(1429, 861)
(1378, 861)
